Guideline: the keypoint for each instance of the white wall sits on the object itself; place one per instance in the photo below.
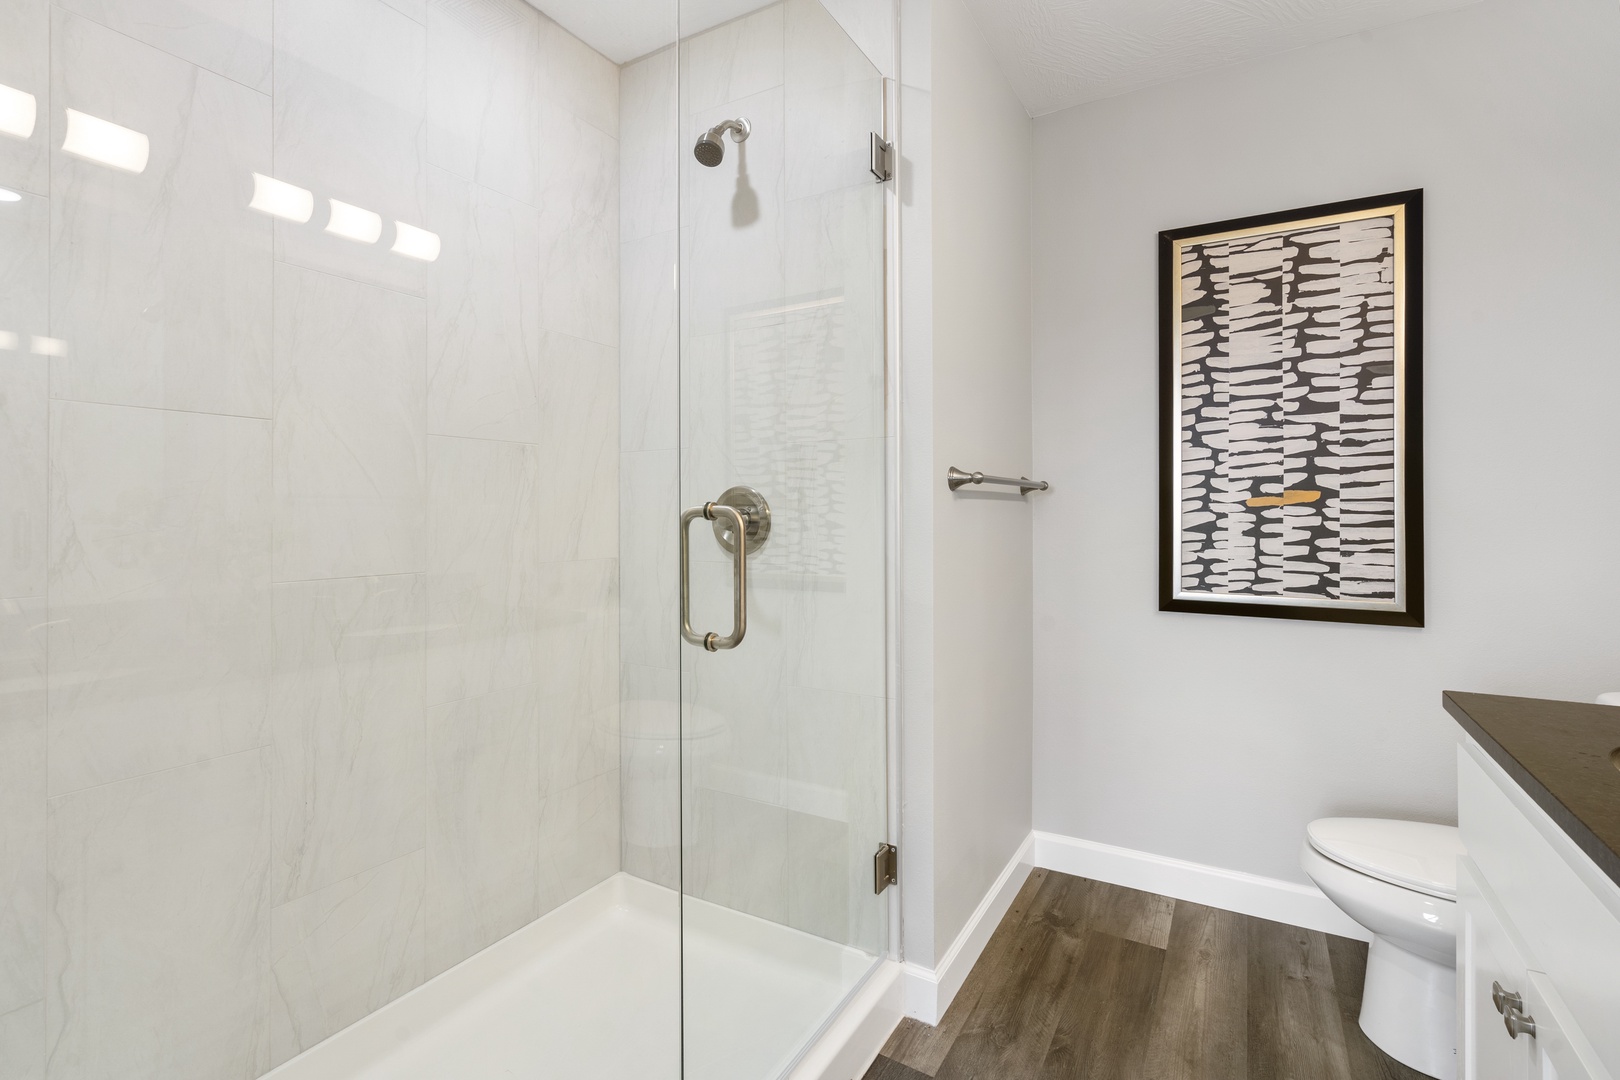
(966, 705)
(1216, 738)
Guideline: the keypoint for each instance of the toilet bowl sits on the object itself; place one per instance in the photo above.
(1399, 880)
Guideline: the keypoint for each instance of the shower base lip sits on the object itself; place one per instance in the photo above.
(593, 989)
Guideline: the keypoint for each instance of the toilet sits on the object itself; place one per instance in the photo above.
(1399, 880)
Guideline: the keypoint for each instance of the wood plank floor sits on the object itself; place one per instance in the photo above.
(1093, 981)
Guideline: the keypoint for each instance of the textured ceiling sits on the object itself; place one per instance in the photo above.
(1059, 53)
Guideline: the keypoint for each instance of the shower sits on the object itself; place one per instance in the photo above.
(711, 147)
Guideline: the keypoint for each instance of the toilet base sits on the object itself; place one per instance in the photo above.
(1409, 1009)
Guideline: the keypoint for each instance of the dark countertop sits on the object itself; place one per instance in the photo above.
(1558, 752)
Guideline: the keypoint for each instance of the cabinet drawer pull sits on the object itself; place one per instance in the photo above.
(1505, 1000)
(1519, 1024)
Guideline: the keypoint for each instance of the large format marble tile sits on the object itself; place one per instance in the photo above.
(734, 60)
(160, 281)
(650, 144)
(25, 64)
(24, 295)
(158, 937)
(22, 804)
(347, 729)
(487, 509)
(343, 952)
(349, 428)
(649, 773)
(484, 337)
(350, 108)
(22, 1043)
(579, 444)
(578, 672)
(578, 196)
(159, 587)
(506, 88)
(483, 822)
(228, 37)
(649, 345)
(649, 558)
(579, 838)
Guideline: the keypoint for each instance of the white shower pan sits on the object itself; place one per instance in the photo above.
(593, 990)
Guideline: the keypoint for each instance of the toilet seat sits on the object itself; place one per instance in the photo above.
(1411, 854)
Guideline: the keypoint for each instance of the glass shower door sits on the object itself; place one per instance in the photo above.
(783, 658)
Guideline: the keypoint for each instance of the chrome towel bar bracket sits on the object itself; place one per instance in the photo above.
(956, 478)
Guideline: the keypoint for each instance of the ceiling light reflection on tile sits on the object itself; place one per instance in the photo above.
(281, 199)
(105, 142)
(47, 346)
(415, 243)
(354, 222)
(8, 340)
(7, 195)
(18, 111)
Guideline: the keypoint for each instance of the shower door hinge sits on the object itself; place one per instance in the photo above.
(882, 158)
(885, 867)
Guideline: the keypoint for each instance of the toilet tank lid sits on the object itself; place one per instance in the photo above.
(1412, 854)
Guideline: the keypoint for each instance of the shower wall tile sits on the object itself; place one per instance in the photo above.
(484, 830)
(578, 673)
(345, 951)
(649, 360)
(350, 124)
(228, 37)
(159, 590)
(579, 838)
(347, 729)
(25, 61)
(578, 196)
(22, 1042)
(649, 566)
(158, 939)
(484, 338)
(22, 805)
(24, 299)
(579, 383)
(649, 773)
(487, 509)
(160, 281)
(737, 853)
(735, 60)
(506, 90)
(349, 428)
(650, 139)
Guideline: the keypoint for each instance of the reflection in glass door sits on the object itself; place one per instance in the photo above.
(782, 662)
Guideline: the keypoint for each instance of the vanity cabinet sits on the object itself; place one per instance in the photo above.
(1539, 919)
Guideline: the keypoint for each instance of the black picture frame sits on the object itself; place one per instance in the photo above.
(1406, 608)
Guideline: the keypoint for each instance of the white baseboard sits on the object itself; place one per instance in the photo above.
(1231, 890)
(849, 1046)
(930, 991)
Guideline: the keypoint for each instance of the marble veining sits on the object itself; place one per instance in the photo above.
(347, 729)
(157, 937)
(160, 282)
(228, 37)
(159, 580)
(24, 299)
(22, 806)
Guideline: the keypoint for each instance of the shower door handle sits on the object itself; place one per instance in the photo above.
(739, 562)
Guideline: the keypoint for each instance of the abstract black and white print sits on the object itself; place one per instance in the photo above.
(1288, 413)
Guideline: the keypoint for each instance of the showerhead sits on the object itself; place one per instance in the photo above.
(711, 145)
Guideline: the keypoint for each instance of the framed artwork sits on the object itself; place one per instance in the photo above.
(1290, 439)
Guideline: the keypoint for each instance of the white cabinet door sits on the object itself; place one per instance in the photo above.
(1560, 1051)
(1486, 957)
